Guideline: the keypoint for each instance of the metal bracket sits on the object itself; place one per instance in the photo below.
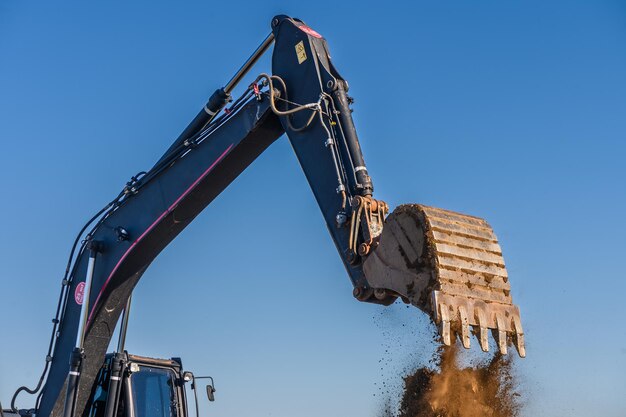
(368, 217)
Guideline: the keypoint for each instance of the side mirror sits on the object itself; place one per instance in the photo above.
(210, 392)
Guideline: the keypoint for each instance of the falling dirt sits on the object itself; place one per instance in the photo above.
(488, 389)
(421, 378)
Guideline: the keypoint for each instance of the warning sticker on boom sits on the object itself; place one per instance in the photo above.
(300, 52)
(79, 293)
(309, 31)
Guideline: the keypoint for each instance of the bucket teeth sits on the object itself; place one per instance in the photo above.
(483, 335)
(458, 315)
(500, 334)
(450, 266)
(445, 330)
(465, 332)
(519, 336)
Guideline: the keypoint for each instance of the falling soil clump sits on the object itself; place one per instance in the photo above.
(488, 389)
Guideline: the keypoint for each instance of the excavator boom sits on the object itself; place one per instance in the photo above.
(447, 264)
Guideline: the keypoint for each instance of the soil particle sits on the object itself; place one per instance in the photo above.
(487, 389)
(421, 378)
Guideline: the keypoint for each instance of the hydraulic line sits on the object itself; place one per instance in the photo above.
(342, 134)
(132, 187)
(286, 100)
(344, 120)
(218, 100)
(331, 144)
(61, 303)
(310, 106)
(185, 146)
(336, 151)
(354, 229)
(345, 142)
(316, 108)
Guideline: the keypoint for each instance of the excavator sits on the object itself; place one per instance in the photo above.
(447, 264)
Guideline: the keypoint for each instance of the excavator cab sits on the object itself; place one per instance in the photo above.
(136, 386)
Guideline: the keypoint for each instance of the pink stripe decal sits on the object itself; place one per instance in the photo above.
(153, 225)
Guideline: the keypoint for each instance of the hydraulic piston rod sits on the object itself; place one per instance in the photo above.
(245, 68)
(116, 365)
(124, 327)
(218, 99)
(76, 358)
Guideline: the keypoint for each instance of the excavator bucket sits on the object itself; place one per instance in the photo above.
(450, 266)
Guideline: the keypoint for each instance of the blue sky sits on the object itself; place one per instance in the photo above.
(513, 111)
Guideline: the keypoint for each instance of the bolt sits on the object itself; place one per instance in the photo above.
(352, 258)
(122, 234)
(380, 293)
(341, 219)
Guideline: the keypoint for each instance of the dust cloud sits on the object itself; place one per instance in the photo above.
(422, 378)
(487, 389)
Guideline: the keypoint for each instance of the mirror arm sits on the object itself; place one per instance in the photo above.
(193, 386)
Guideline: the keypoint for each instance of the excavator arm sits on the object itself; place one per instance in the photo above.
(152, 212)
(416, 253)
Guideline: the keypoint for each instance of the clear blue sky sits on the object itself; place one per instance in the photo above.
(514, 111)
